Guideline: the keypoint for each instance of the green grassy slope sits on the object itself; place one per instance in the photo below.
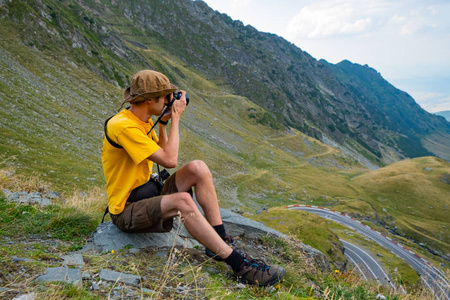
(412, 197)
(51, 113)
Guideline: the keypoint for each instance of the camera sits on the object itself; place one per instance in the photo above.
(177, 96)
(158, 179)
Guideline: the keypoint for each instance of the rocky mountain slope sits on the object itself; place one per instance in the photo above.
(350, 104)
(344, 104)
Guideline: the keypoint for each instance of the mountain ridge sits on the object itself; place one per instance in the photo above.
(325, 101)
(288, 82)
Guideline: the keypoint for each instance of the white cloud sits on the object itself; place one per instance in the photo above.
(397, 19)
(240, 3)
(419, 19)
(432, 102)
(334, 18)
(330, 18)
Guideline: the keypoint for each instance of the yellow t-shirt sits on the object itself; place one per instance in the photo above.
(129, 167)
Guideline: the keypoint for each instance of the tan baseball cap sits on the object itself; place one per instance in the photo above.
(147, 84)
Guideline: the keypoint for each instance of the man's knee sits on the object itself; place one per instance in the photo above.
(199, 169)
(184, 203)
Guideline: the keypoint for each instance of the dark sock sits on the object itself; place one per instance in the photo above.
(220, 229)
(235, 260)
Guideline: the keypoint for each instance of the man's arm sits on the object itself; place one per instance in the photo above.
(167, 156)
(162, 137)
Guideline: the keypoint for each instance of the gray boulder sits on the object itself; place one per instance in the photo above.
(62, 274)
(108, 237)
(113, 276)
(238, 225)
(26, 198)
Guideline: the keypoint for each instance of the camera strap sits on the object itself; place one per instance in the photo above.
(161, 115)
(114, 144)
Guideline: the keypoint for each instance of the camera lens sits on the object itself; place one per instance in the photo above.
(177, 96)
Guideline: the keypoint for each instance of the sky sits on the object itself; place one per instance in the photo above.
(407, 41)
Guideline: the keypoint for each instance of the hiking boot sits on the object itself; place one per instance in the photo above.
(230, 242)
(257, 272)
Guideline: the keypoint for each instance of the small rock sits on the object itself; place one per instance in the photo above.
(133, 250)
(30, 296)
(113, 276)
(73, 260)
(94, 286)
(152, 292)
(27, 198)
(161, 253)
(263, 209)
(130, 293)
(237, 210)
(62, 274)
(180, 289)
(211, 270)
(19, 259)
(240, 286)
(53, 195)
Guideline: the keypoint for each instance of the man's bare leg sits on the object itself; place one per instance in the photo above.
(197, 226)
(196, 174)
(200, 229)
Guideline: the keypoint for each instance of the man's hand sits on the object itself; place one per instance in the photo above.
(167, 155)
(178, 107)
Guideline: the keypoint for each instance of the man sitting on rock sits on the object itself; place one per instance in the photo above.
(135, 203)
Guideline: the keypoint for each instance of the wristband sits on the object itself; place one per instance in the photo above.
(163, 122)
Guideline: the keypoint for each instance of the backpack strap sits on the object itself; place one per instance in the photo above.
(114, 144)
(104, 215)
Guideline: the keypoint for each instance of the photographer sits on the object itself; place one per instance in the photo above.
(137, 203)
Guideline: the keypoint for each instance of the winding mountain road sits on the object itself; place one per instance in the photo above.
(432, 277)
(366, 264)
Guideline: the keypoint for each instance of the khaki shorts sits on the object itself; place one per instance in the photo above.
(145, 215)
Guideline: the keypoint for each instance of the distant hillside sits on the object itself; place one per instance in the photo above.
(410, 197)
(445, 114)
(392, 112)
